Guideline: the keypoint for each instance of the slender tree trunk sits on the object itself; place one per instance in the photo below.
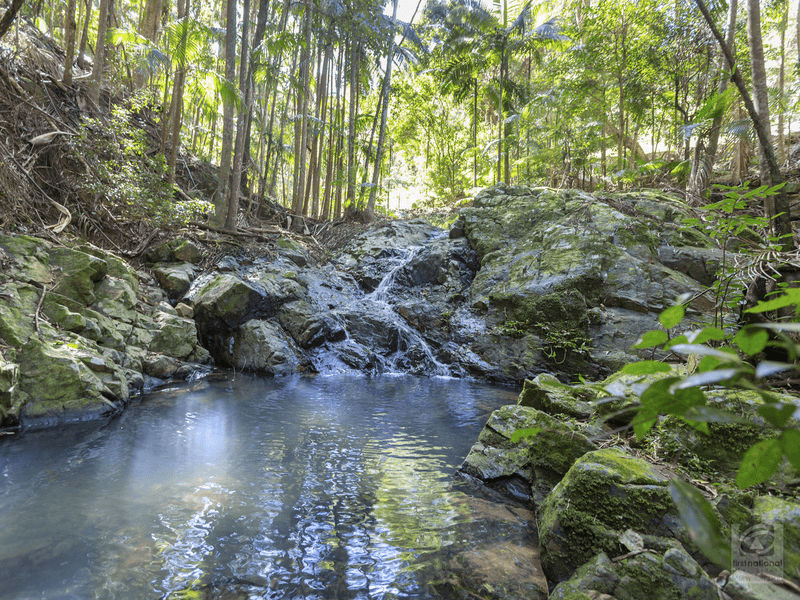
(351, 128)
(100, 51)
(177, 100)
(8, 17)
(245, 88)
(84, 36)
(387, 82)
(69, 44)
(777, 209)
(699, 184)
(223, 191)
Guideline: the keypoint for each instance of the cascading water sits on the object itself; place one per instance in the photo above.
(413, 353)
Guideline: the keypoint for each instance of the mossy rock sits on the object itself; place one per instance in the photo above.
(166, 252)
(76, 274)
(222, 300)
(173, 335)
(669, 575)
(175, 278)
(30, 259)
(59, 381)
(604, 493)
(116, 266)
(547, 394)
(116, 299)
(531, 467)
(17, 310)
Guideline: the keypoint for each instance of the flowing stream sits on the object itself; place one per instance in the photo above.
(248, 487)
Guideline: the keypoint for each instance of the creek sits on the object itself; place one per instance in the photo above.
(240, 486)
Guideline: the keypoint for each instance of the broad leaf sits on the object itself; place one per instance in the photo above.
(790, 441)
(708, 378)
(751, 340)
(759, 463)
(700, 336)
(791, 297)
(767, 367)
(671, 316)
(646, 367)
(777, 414)
(702, 350)
(702, 522)
(652, 338)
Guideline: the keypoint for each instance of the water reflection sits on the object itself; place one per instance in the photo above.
(304, 488)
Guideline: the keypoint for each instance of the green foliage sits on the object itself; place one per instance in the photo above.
(734, 365)
(121, 171)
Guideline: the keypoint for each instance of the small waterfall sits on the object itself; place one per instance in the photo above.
(381, 293)
(413, 354)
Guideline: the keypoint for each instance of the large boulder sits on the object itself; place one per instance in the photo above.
(579, 277)
(605, 493)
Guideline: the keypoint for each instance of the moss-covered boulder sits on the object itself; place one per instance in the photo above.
(222, 300)
(75, 325)
(649, 575)
(76, 274)
(605, 493)
(582, 276)
(68, 379)
(528, 468)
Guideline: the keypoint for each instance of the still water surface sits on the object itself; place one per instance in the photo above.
(327, 487)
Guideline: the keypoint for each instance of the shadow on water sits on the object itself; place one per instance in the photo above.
(246, 487)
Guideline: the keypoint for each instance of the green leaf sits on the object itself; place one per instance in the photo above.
(790, 442)
(671, 316)
(759, 463)
(751, 340)
(767, 367)
(681, 339)
(702, 522)
(709, 363)
(708, 378)
(652, 338)
(710, 414)
(702, 350)
(777, 414)
(524, 433)
(646, 367)
(641, 427)
(700, 336)
(790, 298)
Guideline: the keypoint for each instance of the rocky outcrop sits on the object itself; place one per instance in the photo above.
(81, 331)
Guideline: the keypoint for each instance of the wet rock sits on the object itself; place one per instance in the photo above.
(262, 346)
(527, 469)
(222, 300)
(549, 395)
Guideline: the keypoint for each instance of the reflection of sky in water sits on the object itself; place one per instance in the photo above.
(308, 488)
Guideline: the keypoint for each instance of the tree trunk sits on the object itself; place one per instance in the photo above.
(245, 89)
(351, 128)
(777, 209)
(177, 101)
(698, 185)
(84, 36)
(100, 51)
(8, 17)
(223, 191)
(387, 81)
(69, 43)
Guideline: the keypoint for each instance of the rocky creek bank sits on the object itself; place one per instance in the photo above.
(529, 285)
